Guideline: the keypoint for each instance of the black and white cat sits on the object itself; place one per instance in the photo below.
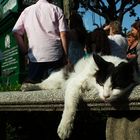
(111, 76)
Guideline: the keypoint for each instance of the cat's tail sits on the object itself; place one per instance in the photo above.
(30, 87)
(55, 81)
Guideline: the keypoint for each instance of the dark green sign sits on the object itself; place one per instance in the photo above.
(10, 64)
(11, 71)
(7, 6)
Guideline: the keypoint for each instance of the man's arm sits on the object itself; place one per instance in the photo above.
(64, 39)
(21, 43)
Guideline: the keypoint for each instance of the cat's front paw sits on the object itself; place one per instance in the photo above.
(64, 130)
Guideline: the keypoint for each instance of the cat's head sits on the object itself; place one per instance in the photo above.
(112, 80)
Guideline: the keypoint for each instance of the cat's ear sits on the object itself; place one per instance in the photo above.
(100, 62)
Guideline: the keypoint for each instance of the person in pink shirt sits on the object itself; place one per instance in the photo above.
(46, 30)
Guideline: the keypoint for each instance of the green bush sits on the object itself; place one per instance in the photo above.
(15, 87)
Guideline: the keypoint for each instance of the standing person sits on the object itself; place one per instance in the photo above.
(77, 36)
(135, 29)
(117, 41)
(98, 42)
(46, 30)
(132, 44)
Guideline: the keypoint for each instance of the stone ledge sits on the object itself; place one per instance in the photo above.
(53, 100)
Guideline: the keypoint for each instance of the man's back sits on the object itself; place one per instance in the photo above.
(43, 17)
(43, 23)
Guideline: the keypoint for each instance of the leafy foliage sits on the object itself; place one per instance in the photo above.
(109, 9)
(15, 87)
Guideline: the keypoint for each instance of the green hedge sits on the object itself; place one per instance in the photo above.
(15, 87)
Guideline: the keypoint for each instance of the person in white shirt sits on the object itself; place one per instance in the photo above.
(46, 29)
(118, 43)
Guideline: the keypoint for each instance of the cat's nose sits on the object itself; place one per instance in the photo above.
(106, 96)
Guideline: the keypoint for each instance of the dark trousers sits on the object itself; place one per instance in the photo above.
(39, 71)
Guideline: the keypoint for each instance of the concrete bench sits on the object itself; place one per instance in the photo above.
(120, 125)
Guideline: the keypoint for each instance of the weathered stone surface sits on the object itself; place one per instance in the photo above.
(54, 100)
(125, 128)
(120, 127)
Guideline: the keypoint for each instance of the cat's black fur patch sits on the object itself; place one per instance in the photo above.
(105, 69)
(122, 76)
